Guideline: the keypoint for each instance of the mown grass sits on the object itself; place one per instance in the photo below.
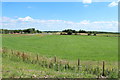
(71, 47)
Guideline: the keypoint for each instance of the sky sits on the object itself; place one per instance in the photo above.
(57, 16)
(58, 0)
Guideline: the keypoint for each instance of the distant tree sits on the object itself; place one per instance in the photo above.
(73, 31)
(5, 31)
(89, 33)
(66, 30)
(82, 31)
(61, 33)
(94, 34)
(37, 31)
(69, 32)
(30, 30)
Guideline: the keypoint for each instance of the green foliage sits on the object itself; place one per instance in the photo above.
(82, 31)
(30, 30)
(69, 32)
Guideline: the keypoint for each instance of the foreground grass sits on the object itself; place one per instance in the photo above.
(71, 47)
(14, 67)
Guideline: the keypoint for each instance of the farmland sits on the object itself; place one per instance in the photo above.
(68, 47)
(89, 49)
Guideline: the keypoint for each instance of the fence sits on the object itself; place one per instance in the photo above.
(59, 65)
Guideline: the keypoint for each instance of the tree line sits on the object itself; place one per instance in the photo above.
(70, 32)
(63, 32)
(24, 31)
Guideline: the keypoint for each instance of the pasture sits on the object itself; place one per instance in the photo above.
(91, 50)
(69, 47)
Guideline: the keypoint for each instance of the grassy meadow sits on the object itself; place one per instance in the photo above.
(69, 47)
(89, 49)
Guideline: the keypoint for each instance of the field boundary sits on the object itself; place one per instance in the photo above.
(58, 65)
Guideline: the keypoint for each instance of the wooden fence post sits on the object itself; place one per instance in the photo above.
(11, 51)
(103, 74)
(37, 57)
(23, 56)
(4, 50)
(55, 59)
(78, 64)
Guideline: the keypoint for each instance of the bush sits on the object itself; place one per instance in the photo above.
(69, 32)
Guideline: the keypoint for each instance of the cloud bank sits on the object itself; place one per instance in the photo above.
(29, 22)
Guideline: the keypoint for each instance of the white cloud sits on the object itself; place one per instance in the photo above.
(53, 20)
(28, 22)
(87, 1)
(7, 20)
(113, 4)
(28, 18)
(85, 22)
(103, 22)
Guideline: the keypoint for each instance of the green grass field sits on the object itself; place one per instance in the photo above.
(14, 67)
(69, 47)
(89, 49)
